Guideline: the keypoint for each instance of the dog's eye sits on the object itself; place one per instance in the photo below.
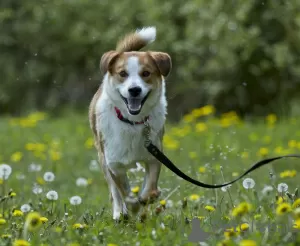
(123, 74)
(146, 74)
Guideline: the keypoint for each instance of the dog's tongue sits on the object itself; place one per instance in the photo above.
(134, 104)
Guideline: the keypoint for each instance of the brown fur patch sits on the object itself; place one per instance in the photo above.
(131, 42)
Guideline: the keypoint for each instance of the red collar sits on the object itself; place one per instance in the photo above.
(121, 117)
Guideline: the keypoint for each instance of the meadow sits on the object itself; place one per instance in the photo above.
(53, 192)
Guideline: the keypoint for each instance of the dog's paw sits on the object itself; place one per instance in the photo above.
(133, 204)
(151, 198)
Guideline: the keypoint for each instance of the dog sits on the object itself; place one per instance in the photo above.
(132, 93)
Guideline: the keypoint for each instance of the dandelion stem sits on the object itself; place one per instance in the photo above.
(221, 169)
(172, 192)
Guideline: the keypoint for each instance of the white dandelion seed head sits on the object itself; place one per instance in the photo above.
(5, 171)
(81, 182)
(25, 208)
(267, 189)
(37, 189)
(34, 167)
(248, 183)
(282, 187)
(169, 204)
(49, 176)
(94, 166)
(75, 200)
(52, 195)
(225, 188)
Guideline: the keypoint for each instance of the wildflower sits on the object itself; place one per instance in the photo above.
(79, 226)
(229, 233)
(25, 208)
(37, 189)
(288, 173)
(201, 127)
(89, 143)
(267, 189)
(282, 187)
(247, 243)
(283, 208)
(5, 171)
(81, 182)
(44, 219)
(297, 224)
(209, 208)
(21, 242)
(225, 188)
(135, 189)
(296, 203)
(280, 200)
(225, 242)
(33, 221)
(292, 143)
(163, 202)
(75, 200)
(241, 209)
(271, 119)
(49, 176)
(12, 194)
(194, 197)
(16, 157)
(2, 221)
(188, 118)
(248, 183)
(202, 169)
(243, 227)
(297, 213)
(52, 195)
(17, 213)
(208, 109)
(170, 143)
(34, 167)
(263, 152)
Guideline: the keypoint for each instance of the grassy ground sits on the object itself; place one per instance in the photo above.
(209, 149)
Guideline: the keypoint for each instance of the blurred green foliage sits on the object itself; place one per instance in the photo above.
(237, 55)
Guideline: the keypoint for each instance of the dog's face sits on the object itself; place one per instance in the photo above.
(135, 78)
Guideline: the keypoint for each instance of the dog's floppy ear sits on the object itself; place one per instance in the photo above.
(107, 60)
(163, 62)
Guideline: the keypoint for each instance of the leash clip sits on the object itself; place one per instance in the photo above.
(147, 131)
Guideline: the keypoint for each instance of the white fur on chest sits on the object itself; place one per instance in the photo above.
(124, 143)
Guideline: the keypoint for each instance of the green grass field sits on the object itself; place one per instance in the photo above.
(210, 149)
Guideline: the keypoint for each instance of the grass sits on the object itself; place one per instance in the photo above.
(210, 149)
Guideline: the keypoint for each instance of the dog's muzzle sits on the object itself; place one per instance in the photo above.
(134, 104)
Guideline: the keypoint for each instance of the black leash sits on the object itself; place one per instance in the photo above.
(169, 164)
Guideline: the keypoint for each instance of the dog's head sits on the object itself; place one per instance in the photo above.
(135, 77)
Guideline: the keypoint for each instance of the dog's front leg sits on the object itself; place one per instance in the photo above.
(150, 190)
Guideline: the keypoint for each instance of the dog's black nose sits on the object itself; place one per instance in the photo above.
(135, 91)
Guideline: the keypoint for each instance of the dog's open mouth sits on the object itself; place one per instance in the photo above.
(135, 104)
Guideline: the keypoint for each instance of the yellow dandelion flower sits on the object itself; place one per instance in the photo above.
(44, 219)
(38, 116)
(263, 152)
(278, 150)
(280, 200)
(193, 155)
(201, 127)
(2, 221)
(271, 119)
(77, 226)
(16, 157)
(297, 224)
(197, 112)
(73, 244)
(112, 244)
(247, 243)
(55, 155)
(283, 208)
(241, 209)
(170, 143)
(188, 118)
(201, 217)
(225, 242)
(208, 109)
(243, 227)
(135, 189)
(33, 221)
(162, 202)
(288, 174)
(202, 169)
(229, 233)
(12, 194)
(89, 143)
(17, 213)
(40, 180)
(21, 242)
(194, 197)
(297, 213)
(209, 208)
(296, 203)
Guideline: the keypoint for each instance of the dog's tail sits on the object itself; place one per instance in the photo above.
(137, 40)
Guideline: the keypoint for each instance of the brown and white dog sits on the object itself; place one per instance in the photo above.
(132, 91)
